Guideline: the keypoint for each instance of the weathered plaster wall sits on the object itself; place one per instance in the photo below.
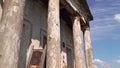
(26, 36)
(39, 20)
(67, 38)
(66, 33)
(34, 28)
(35, 22)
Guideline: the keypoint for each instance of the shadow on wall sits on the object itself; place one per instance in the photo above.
(25, 40)
(1, 3)
(24, 45)
(1, 7)
(31, 35)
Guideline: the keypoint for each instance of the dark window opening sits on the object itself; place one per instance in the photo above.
(63, 44)
(44, 41)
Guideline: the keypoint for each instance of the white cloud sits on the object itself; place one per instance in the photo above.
(99, 32)
(99, 10)
(103, 10)
(95, 66)
(101, 64)
(117, 61)
(117, 17)
(103, 19)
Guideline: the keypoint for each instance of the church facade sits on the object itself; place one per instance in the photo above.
(45, 34)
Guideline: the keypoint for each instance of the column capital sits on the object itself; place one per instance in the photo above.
(76, 18)
(76, 14)
(85, 27)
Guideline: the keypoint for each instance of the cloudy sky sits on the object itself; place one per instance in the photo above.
(105, 32)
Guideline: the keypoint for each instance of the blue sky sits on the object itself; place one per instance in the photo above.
(105, 32)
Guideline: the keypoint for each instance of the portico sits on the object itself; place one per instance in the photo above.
(75, 13)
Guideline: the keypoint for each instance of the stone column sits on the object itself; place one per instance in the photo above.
(53, 35)
(10, 33)
(88, 47)
(78, 52)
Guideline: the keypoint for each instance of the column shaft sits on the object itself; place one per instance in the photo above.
(78, 53)
(53, 35)
(10, 33)
(88, 48)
